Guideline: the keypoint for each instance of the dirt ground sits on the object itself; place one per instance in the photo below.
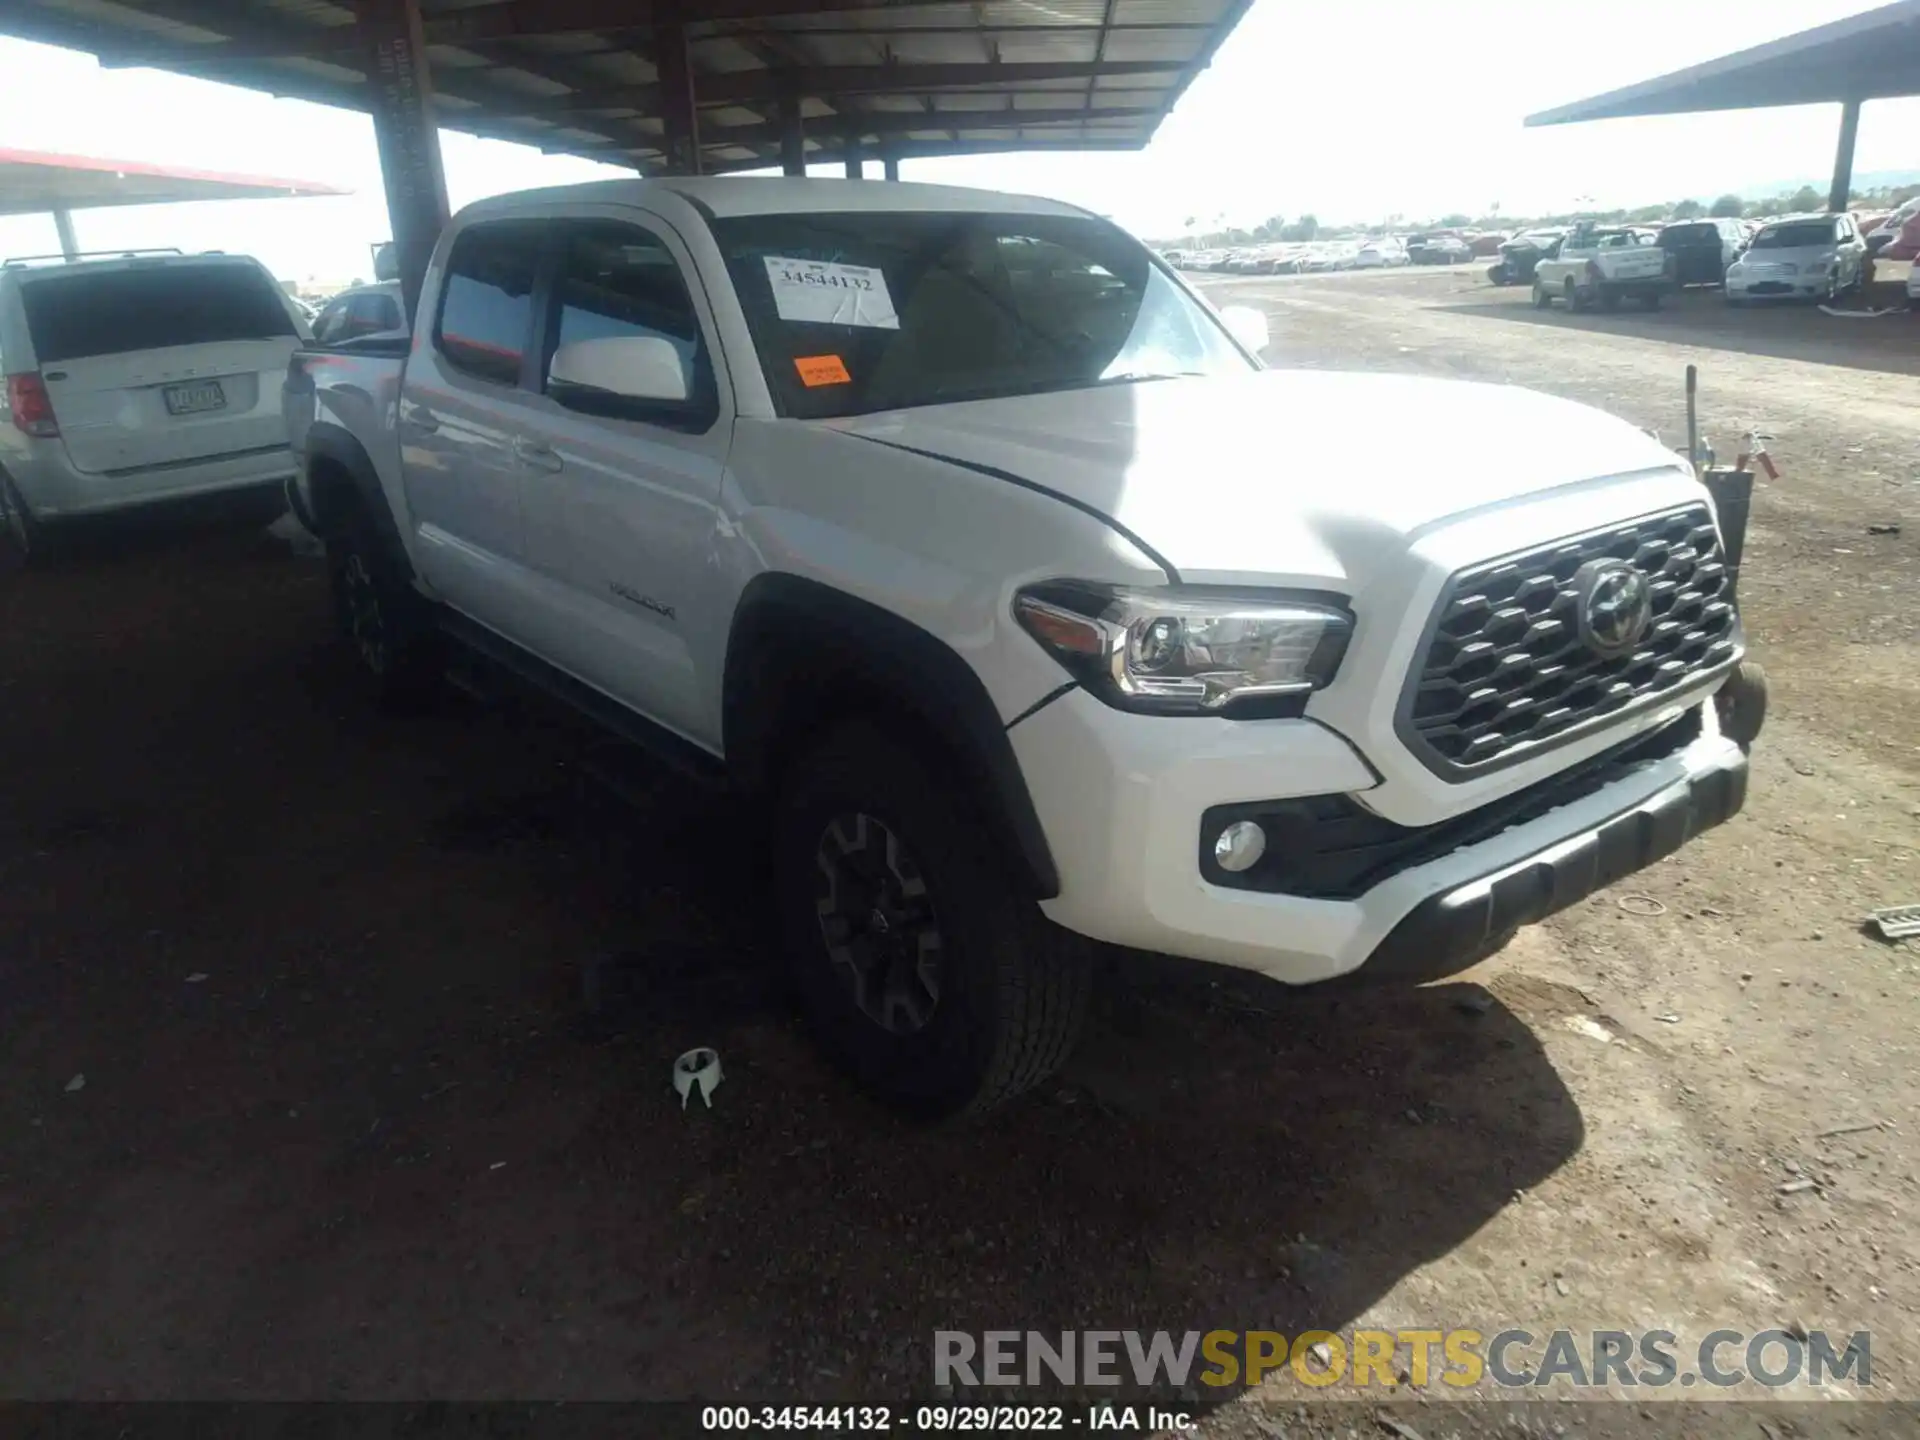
(337, 1047)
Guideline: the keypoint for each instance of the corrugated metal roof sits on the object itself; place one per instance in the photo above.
(1872, 56)
(578, 76)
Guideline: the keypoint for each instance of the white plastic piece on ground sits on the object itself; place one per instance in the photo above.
(1861, 314)
(296, 537)
(697, 1070)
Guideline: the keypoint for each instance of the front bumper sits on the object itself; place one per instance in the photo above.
(1122, 800)
(1797, 287)
(1447, 932)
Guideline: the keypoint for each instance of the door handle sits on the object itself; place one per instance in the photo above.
(418, 417)
(535, 454)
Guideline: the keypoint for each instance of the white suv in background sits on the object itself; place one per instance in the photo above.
(138, 378)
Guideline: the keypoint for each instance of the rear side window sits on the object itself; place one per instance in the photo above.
(486, 311)
(73, 317)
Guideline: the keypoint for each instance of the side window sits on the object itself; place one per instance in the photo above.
(386, 313)
(486, 308)
(363, 316)
(327, 326)
(616, 280)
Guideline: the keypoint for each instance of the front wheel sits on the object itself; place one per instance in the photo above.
(924, 971)
(1542, 299)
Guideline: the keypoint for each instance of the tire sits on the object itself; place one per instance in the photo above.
(1542, 297)
(879, 859)
(1741, 703)
(1574, 303)
(380, 615)
(1651, 300)
(26, 537)
(1609, 300)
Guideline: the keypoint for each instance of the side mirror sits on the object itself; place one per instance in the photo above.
(1248, 326)
(598, 375)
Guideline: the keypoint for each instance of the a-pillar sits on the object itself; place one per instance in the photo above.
(1843, 158)
(400, 88)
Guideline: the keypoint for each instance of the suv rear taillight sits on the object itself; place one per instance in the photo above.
(31, 406)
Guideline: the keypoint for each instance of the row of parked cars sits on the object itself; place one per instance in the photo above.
(1793, 257)
(1309, 257)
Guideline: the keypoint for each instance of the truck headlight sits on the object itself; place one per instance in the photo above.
(1189, 651)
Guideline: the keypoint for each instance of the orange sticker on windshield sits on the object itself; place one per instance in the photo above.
(822, 370)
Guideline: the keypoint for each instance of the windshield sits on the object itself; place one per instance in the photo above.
(878, 311)
(1795, 237)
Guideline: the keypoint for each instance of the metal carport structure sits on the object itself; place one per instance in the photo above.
(1873, 56)
(671, 86)
(36, 183)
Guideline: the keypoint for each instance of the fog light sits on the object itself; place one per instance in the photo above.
(1240, 846)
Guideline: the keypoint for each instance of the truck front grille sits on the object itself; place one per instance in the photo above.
(1506, 672)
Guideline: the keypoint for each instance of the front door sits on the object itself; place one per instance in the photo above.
(621, 509)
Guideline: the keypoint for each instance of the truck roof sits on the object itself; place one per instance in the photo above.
(729, 195)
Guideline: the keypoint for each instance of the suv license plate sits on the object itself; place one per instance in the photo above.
(193, 399)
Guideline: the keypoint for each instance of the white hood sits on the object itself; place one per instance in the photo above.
(1283, 474)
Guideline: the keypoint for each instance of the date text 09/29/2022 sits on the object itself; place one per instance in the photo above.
(960, 1419)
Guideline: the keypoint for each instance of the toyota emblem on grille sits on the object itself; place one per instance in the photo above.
(1615, 606)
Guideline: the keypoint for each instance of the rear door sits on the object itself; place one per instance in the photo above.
(463, 405)
(161, 362)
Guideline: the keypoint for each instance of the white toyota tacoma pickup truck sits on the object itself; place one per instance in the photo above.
(1030, 608)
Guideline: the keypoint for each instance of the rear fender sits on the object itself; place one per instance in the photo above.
(341, 476)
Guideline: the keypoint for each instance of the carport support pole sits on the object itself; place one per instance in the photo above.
(891, 166)
(856, 170)
(1843, 158)
(679, 113)
(63, 224)
(401, 89)
(793, 139)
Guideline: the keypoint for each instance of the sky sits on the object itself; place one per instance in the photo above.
(1353, 112)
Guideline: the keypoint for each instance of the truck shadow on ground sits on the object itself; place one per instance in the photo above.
(375, 1022)
(1781, 331)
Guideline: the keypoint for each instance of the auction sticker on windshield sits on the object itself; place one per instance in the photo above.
(822, 370)
(824, 293)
